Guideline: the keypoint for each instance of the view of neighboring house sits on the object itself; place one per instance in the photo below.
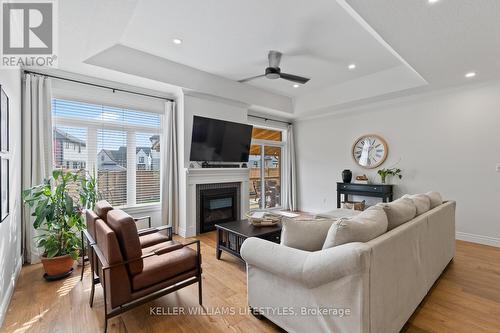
(69, 151)
(116, 160)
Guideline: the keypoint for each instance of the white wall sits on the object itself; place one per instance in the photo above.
(447, 141)
(210, 107)
(10, 228)
(189, 105)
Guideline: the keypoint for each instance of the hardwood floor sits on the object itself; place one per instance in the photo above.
(465, 299)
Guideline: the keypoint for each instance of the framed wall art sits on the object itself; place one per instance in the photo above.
(4, 189)
(4, 121)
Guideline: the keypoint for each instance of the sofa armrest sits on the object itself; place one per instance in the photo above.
(311, 269)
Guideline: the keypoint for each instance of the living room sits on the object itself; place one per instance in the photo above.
(287, 166)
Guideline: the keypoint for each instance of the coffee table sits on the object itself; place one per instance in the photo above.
(231, 235)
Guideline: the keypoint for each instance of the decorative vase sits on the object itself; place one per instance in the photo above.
(382, 178)
(346, 176)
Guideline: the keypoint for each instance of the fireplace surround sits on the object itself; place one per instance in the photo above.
(216, 203)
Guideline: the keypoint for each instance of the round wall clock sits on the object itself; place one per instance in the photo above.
(370, 151)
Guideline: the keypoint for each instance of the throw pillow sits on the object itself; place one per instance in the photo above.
(361, 228)
(421, 201)
(399, 211)
(307, 235)
(435, 198)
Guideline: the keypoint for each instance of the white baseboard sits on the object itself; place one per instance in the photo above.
(4, 304)
(485, 240)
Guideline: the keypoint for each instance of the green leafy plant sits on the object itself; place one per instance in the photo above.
(88, 192)
(57, 215)
(383, 173)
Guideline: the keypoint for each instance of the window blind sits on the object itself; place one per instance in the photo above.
(120, 146)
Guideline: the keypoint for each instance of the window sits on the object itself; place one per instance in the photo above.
(265, 168)
(107, 141)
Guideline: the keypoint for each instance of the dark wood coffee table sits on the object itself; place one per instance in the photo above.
(230, 236)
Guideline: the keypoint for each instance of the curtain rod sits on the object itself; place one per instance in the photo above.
(99, 86)
(266, 119)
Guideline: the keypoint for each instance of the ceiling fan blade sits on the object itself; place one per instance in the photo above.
(251, 78)
(274, 59)
(294, 78)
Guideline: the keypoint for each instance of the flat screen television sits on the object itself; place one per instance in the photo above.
(220, 141)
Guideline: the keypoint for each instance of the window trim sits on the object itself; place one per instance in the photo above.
(92, 126)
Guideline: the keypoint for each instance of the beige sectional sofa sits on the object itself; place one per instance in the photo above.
(373, 286)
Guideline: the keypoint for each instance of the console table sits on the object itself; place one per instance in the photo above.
(383, 191)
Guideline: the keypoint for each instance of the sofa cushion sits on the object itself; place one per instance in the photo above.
(338, 213)
(126, 233)
(152, 239)
(361, 228)
(307, 235)
(162, 267)
(102, 208)
(435, 198)
(421, 201)
(399, 211)
(171, 245)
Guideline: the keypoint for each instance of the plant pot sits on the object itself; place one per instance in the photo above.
(57, 266)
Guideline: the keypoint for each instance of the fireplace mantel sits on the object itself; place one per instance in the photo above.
(195, 176)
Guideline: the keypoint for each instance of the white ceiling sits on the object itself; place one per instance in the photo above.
(398, 46)
(232, 39)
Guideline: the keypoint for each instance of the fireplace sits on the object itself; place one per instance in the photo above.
(216, 203)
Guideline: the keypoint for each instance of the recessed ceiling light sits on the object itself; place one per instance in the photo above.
(177, 41)
(296, 85)
(432, 1)
(351, 66)
(470, 74)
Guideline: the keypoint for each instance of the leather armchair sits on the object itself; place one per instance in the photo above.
(131, 275)
(149, 238)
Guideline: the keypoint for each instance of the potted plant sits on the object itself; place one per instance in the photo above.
(383, 173)
(60, 221)
(88, 190)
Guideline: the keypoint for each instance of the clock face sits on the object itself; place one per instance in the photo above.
(369, 151)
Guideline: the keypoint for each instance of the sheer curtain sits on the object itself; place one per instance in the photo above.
(170, 168)
(290, 176)
(37, 149)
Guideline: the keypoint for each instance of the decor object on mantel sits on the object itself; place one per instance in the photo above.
(383, 173)
(346, 176)
(60, 218)
(370, 151)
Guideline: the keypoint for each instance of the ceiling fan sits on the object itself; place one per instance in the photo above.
(274, 71)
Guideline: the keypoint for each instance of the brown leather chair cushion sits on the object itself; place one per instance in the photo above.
(152, 239)
(119, 290)
(126, 233)
(91, 217)
(158, 268)
(172, 245)
(102, 208)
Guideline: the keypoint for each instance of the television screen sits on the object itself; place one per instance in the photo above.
(221, 141)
